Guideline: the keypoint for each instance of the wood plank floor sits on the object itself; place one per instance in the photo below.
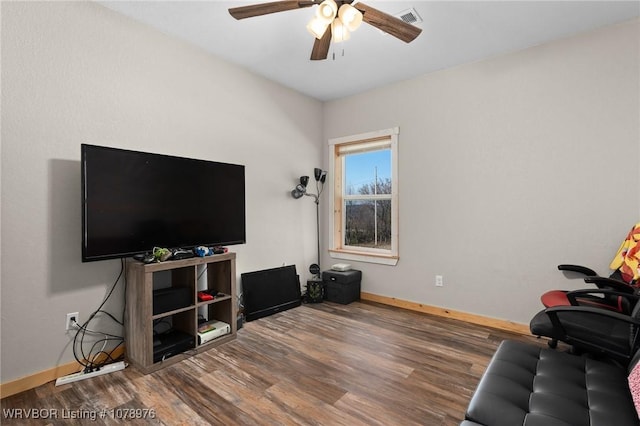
(321, 364)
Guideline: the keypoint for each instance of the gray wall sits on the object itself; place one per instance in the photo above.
(508, 167)
(75, 72)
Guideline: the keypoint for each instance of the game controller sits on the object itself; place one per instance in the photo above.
(161, 254)
(179, 254)
(202, 251)
(144, 257)
(203, 297)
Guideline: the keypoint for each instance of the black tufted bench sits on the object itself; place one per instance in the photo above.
(532, 386)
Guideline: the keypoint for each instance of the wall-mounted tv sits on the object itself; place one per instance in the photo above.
(134, 201)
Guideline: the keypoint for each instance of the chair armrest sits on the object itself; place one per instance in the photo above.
(577, 268)
(571, 295)
(603, 298)
(553, 312)
(603, 282)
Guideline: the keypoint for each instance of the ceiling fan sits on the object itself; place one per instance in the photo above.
(334, 20)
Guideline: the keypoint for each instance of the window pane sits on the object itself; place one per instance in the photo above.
(368, 172)
(368, 223)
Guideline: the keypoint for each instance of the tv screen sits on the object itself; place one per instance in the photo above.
(135, 201)
(269, 291)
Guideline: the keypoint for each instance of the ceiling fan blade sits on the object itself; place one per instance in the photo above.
(250, 11)
(387, 23)
(320, 49)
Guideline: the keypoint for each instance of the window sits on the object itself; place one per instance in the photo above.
(364, 197)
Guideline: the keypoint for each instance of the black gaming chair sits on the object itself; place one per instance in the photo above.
(623, 279)
(593, 330)
(584, 298)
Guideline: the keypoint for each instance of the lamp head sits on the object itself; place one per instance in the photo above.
(304, 180)
(323, 176)
(296, 194)
(317, 173)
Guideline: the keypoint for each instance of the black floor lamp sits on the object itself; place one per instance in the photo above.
(300, 190)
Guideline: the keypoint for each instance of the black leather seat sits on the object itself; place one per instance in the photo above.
(593, 330)
(532, 386)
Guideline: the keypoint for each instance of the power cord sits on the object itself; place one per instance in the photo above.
(89, 360)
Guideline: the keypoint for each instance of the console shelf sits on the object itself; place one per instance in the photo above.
(140, 320)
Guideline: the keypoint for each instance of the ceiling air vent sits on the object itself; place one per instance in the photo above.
(410, 16)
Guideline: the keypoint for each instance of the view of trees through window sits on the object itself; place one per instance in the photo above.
(367, 199)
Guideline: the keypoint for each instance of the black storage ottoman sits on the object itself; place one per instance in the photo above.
(342, 286)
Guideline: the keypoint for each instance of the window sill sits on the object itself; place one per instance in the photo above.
(381, 259)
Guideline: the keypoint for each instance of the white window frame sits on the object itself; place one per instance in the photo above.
(337, 249)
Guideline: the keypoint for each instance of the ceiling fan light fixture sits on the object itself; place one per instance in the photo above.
(339, 32)
(327, 11)
(317, 27)
(350, 16)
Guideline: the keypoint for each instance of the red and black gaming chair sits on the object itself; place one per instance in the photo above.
(618, 294)
(592, 330)
(624, 279)
(608, 301)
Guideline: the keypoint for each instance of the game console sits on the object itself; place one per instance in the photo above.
(211, 330)
(171, 343)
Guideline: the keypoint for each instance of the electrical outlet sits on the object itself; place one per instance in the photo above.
(439, 282)
(72, 319)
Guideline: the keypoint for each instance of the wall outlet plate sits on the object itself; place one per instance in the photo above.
(72, 319)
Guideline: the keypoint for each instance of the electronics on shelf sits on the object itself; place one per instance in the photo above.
(170, 299)
(164, 254)
(172, 343)
(212, 330)
(177, 254)
(149, 346)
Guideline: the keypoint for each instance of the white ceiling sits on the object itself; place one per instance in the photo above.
(278, 46)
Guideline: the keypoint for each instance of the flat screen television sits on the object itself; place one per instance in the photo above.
(269, 291)
(134, 201)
